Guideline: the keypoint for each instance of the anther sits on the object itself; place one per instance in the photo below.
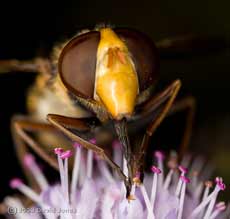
(15, 183)
(58, 151)
(208, 184)
(185, 179)
(156, 170)
(159, 155)
(66, 154)
(76, 145)
(183, 169)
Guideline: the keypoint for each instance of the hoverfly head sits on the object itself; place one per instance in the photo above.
(110, 66)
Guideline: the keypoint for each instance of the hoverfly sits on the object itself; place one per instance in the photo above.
(100, 78)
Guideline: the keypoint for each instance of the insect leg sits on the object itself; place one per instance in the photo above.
(62, 123)
(165, 98)
(20, 125)
(35, 65)
(187, 104)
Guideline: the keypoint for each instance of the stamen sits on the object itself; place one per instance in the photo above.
(220, 204)
(172, 164)
(195, 178)
(160, 158)
(65, 156)
(82, 171)
(186, 160)
(147, 203)
(159, 155)
(75, 172)
(173, 160)
(17, 183)
(183, 170)
(115, 194)
(118, 205)
(31, 194)
(168, 179)
(218, 180)
(30, 163)
(219, 186)
(58, 152)
(66, 179)
(198, 190)
(197, 164)
(156, 171)
(90, 159)
(131, 206)
(219, 208)
(184, 180)
(208, 185)
(104, 170)
(76, 145)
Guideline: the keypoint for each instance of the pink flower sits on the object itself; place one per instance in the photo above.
(94, 191)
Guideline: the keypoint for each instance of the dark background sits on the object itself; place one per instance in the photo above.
(27, 29)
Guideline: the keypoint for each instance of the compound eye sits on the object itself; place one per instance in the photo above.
(144, 54)
(77, 64)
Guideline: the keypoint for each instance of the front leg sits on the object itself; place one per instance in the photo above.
(62, 123)
(161, 105)
(187, 104)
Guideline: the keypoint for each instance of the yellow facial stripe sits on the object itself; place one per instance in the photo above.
(116, 84)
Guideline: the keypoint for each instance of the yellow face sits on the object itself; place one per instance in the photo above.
(116, 83)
